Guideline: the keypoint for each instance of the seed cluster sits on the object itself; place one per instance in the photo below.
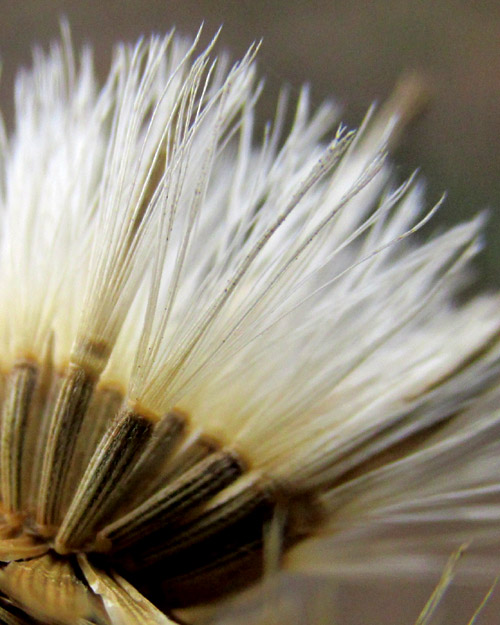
(181, 516)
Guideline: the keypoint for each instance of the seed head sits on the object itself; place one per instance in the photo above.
(222, 355)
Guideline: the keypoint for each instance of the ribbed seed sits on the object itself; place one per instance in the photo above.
(72, 401)
(219, 530)
(16, 408)
(195, 487)
(38, 427)
(166, 437)
(101, 487)
(220, 550)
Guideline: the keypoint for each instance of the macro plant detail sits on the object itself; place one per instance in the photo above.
(223, 355)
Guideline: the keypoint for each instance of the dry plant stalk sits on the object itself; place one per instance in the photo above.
(221, 357)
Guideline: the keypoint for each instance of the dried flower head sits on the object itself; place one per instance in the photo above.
(217, 349)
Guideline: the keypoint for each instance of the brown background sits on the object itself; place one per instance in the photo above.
(354, 51)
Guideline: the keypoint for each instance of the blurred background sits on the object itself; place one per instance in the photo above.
(353, 51)
(350, 50)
